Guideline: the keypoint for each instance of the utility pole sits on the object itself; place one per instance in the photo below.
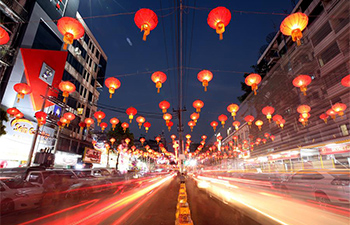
(31, 152)
(181, 86)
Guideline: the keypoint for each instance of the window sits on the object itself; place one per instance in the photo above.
(335, 75)
(86, 39)
(315, 13)
(74, 63)
(97, 54)
(87, 112)
(90, 97)
(328, 54)
(46, 39)
(35, 178)
(321, 34)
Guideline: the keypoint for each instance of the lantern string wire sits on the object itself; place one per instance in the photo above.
(165, 9)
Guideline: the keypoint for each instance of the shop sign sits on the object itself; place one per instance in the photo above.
(92, 155)
(24, 127)
(336, 149)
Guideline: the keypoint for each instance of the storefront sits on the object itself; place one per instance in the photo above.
(18, 140)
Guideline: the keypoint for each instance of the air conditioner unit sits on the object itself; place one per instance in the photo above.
(77, 51)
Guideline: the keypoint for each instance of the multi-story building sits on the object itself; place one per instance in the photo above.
(13, 18)
(83, 64)
(323, 55)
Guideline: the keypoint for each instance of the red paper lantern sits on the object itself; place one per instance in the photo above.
(264, 140)
(125, 126)
(194, 117)
(22, 89)
(198, 105)
(167, 117)
(114, 121)
(112, 84)
(146, 20)
(267, 135)
(147, 125)
(293, 25)
(218, 19)
(302, 81)
(158, 78)
(164, 105)
(4, 36)
(131, 111)
(339, 108)
(12, 111)
(205, 76)
(277, 118)
(253, 80)
(99, 115)
(63, 121)
(19, 115)
(41, 118)
(82, 125)
(142, 140)
(249, 119)
(214, 124)
(67, 88)
(158, 139)
(173, 136)
(272, 137)
(69, 116)
(268, 111)
(233, 108)
(170, 124)
(346, 81)
(191, 124)
(236, 124)
(282, 122)
(60, 125)
(222, 118)
(324, 117)
(331, 113)
(71, 29)
(140, 120)
(88, 122)
(259, 123)
(303, 109)
(103, 126)
(302, 121)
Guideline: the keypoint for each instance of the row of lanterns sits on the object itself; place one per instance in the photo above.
(147, 20)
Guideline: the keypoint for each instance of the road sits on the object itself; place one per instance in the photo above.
(153, 201)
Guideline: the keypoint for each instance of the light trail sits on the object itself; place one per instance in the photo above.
(88, 217)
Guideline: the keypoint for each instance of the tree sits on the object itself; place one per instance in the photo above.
(119, 135)
(3, 117)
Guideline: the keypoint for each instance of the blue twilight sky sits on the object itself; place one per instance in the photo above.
(133, 60)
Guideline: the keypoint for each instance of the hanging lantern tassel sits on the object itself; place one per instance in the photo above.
(158, 86)
(205, 84)
(146, 30)
(254, 88)
(67, 39)
(169, 128)
(220, 29)
(111, 92)
(297, 35)
(65, 96)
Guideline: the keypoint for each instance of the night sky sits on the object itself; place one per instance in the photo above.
(132, 60)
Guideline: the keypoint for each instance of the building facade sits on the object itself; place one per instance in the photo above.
(323, 55)
(83, 64)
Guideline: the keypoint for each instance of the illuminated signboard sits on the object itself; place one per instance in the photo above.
(92, 155)
(336, 149)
